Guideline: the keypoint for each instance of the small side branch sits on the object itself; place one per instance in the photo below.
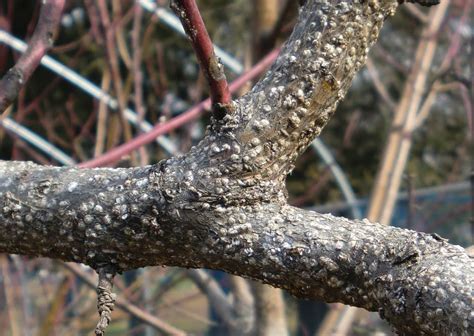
(105, 298)
(127, 307)
(190, 17)
(40, 43)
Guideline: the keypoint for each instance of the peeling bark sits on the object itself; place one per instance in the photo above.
(223, 204)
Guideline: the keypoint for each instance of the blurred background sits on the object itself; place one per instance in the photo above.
(399, 151)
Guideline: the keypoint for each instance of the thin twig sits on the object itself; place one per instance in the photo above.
(430, 99)
(172, 21)
(214, 294)
(105, 298)
(127, 306)
(9, 297)
(137, 73)
(378, 84)
(40, 43)
(86, 86)
(416, 13)
(119, 22)
(102, 116)
(113, 63)
(190, 17)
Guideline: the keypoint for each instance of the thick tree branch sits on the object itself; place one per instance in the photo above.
(40, 43)
(283, 113)
(134, 217)
(223, 204)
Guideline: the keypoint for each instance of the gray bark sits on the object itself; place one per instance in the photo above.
(223, 204)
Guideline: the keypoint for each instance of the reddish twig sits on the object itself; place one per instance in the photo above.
(40, 43)
(190, 17)
(115, 154)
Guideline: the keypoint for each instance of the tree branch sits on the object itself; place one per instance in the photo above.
(41, 42)
(162, 128)
(105, 298)
(188, 13)
(126, 305)
(136, 217)
(216, 296)
(283, 113)
(223, 204)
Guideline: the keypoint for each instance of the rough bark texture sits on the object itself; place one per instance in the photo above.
(223, 204)
(269, 304)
